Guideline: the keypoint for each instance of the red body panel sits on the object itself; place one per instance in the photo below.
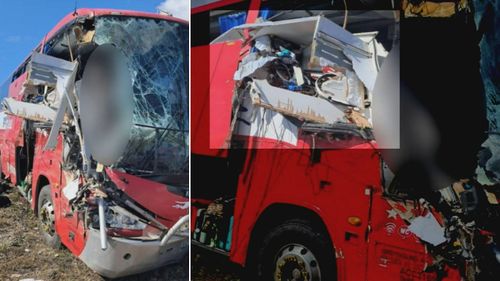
(199, 110)
(345, 183)
(213, 5)
(47, 163)
(11, 135)
(224, 58)
(152, 195)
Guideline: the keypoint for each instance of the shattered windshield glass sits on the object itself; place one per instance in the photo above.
(157, 53)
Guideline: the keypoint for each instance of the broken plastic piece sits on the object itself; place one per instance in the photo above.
(252, 66)
(299, 77)
(428, 229)
(293, 87)
(71, 190)
(285, 53)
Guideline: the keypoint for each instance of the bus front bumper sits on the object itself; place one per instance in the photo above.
(127, 256)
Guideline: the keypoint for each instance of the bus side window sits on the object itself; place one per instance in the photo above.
(20, 70)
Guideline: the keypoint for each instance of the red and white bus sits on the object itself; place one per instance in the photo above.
(285, 199)
(94, 131)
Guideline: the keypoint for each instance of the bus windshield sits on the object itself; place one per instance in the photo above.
(157, 52)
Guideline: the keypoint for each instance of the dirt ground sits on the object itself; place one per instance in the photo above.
(208, 266)
(23, 254)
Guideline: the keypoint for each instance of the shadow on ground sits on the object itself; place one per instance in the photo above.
(208, 266)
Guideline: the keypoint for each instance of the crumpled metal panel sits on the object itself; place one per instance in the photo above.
(157, 53)
(300, 31)
(35, 112)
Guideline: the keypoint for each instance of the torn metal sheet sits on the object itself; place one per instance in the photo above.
(65, 87)
(30, 111)
(71, 189)
(50, 71)
(57, 123)
(343, 88)
(264, 123)
(428, 229)
(263, 43)
(364, 68)
(301, 71)
(60, 74)
(300, 31)
(251, 66)
(303, 107)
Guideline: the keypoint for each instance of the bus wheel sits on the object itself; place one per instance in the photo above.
(295, 251)
(46, 215)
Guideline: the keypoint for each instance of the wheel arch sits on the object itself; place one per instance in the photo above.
(278, 213)
(41, 181)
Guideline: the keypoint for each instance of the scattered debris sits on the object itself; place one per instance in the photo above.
(19, 231)
(319, 73)
(92, 102)
(464, 235)
(428, 229)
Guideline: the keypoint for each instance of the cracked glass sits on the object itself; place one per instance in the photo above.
(157, 54)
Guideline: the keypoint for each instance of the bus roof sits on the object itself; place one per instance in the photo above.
(102, 12)
(82, 12)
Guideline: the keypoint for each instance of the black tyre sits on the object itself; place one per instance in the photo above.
(294, 250)
(46, 216)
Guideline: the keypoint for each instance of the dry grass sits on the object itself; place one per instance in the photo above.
(23, 253)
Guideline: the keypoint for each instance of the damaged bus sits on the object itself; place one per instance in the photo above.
(94, 133)
(283, 118)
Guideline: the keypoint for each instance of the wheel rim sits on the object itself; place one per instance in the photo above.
(47, 217)
(295, 262)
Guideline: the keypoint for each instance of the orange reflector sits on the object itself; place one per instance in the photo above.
(354, 221)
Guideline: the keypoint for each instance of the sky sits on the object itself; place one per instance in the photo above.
(24, 23)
